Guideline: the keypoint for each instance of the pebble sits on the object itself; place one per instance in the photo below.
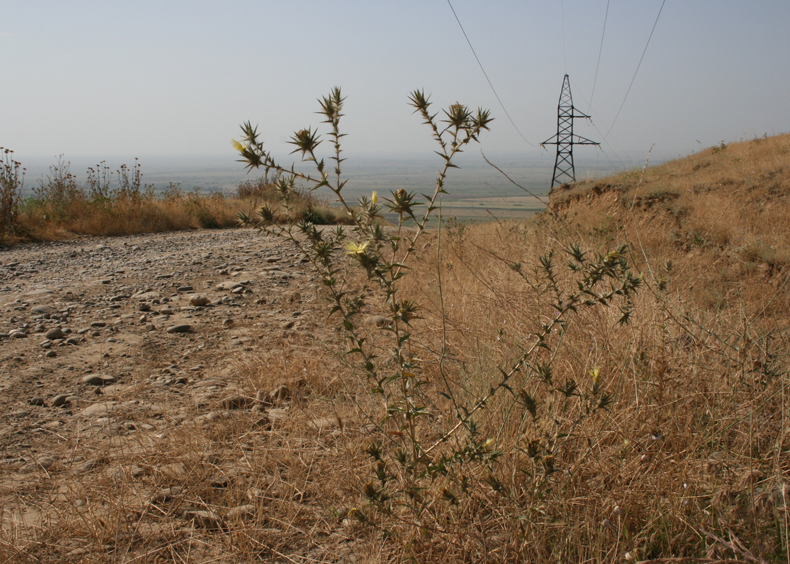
(199, 300)
(98, 380)
(183, 328)
(37, 400)
(241, 512)
(43, 309)
(59, 400)
(55, 333)
(235, 402)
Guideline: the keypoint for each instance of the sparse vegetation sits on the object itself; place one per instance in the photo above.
(11, 182)
(119, 203)
(514, 415)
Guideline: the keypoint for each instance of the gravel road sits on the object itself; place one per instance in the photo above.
(126, 325)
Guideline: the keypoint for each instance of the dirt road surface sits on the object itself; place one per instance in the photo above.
(142, 380)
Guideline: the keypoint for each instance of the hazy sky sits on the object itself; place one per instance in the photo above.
(108, 78)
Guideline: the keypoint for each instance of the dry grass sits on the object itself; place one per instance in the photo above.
(691, 461)
(61, 208)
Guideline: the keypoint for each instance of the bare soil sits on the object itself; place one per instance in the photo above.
(138, 426)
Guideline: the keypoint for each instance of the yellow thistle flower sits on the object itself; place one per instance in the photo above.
(238, 146)
(357, 248)
(374, 198)
(596, 375)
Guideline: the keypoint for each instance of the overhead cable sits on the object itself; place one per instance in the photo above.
(600, 50)
(488, 79)
(637, 69)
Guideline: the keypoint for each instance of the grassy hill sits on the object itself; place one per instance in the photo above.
(691, 457)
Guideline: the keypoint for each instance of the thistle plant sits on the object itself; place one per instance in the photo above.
(362, 267)
(12, 178)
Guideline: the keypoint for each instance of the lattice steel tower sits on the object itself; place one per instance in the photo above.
(565, 139)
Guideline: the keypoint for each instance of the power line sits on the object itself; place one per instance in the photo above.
(564, 56)
(600, 50)
(600, 133)
(637, 69)
(488, 79)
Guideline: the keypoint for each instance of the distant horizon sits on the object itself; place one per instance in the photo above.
(222, 173)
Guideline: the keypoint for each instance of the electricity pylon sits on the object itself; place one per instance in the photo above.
(565, 139)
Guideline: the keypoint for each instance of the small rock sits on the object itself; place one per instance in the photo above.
(166, 494)
(36, 400)
(199, 300)
(90, 464)
(144, 307)
(185, 288)
(183, 328)
(228, 285)
(72, 341)
(55, 333)
(98, 380)
(51, 354)
(235, 402)
(45, 462)
(59, 400)
(380, 321)
(43, 309)
(98, 324)
(324, 423)
(174, 470)
(242, 512)
(99, 408)
(227, 323)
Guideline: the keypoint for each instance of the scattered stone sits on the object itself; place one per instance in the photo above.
(199, 300)
(183, 328)
(277, 414)
(43, 309)
(227, 323)
(51, 354)
(380, 321)
(228, 285)
(324, 423)
(99, 324)
(100, 408)
(174, 470)
(46, 462)
(59, 400)
(166, 494)
(144, 307)
(90, 464)
(235, 402)
(74, 341)
(287, 325)
(242, 512)
(36, 400)
(186, 288)
(98, 380)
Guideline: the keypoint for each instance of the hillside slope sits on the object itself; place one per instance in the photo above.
(691, 459)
